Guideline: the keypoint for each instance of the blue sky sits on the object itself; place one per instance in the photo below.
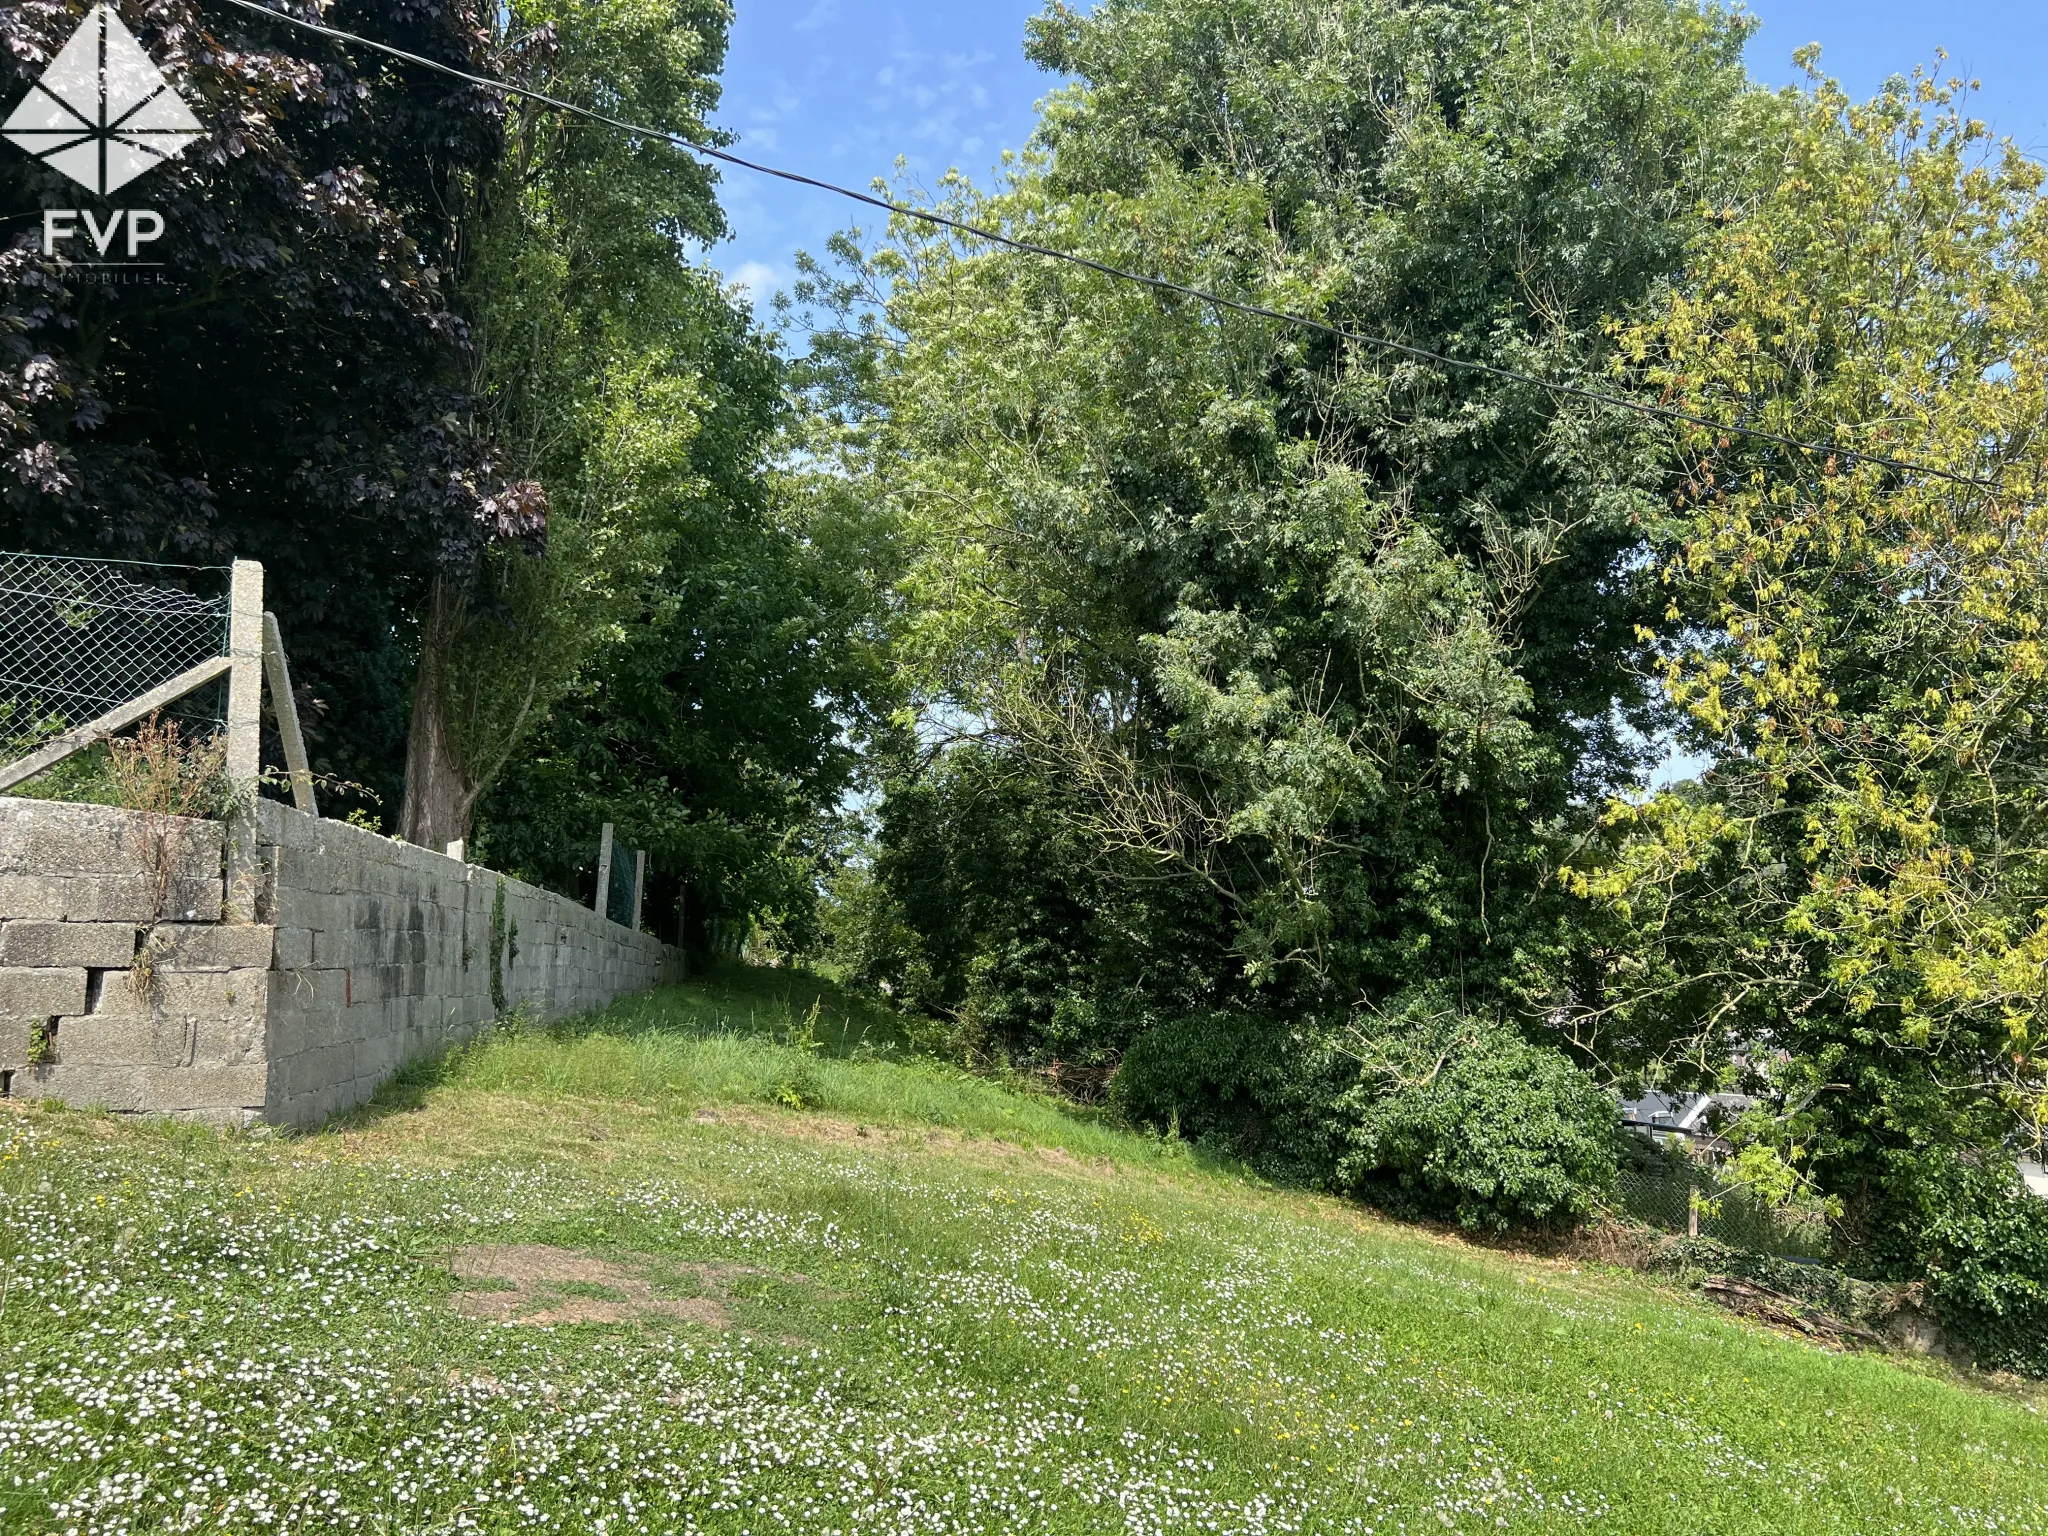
(841, 88)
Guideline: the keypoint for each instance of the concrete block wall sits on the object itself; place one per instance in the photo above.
(122, 983)
(385, 953)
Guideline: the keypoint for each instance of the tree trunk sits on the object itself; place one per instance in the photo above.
(439, 791)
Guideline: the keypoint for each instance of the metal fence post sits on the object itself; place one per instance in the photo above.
(604, 872)
(245, 735)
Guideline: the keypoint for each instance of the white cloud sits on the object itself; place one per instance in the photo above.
(817, 16)
(758, 281)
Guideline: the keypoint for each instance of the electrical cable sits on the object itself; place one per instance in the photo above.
(1160, 284)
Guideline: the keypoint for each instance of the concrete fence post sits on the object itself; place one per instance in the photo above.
(245, 673)
(604, 872)
(639, 884)
(245, 734)
(286, 708)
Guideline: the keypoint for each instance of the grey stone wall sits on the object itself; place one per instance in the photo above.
(122, 985)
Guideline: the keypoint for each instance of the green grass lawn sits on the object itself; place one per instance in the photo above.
(722, 1260)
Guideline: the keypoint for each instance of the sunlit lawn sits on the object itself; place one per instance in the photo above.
(917, 1303)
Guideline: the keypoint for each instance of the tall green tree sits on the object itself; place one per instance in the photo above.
(1325, 651)
(298, 388)
(593, 327)
(1846, 916)
(690, 659)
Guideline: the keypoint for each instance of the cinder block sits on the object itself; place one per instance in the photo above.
(147, 1090)
(288, 827)
(285, 1075)
(367, 910)
(41, 943)
(315, 911)
(368, 957)
(15, 1037)
(108, 898)
(379, 1057)
(309, 991)
(231, 1042)
(41, 837)
(116, 1088)
(193, 900)
(85, 899)
(422, 865)
(26, 993)
(314, 1072)
(239, 1118)
(321, 1068)
(214, 1087)
(369, 945)
(100, 1040)
(242, 996)
(307, 872)
(326, 1103)
(212, 947)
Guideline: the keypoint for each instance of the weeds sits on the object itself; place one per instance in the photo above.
(170, 778)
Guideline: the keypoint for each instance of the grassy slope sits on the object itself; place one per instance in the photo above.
(954, 1308)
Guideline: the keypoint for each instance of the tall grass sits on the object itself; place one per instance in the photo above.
(783, 1039)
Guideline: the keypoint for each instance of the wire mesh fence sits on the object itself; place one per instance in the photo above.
(618, 900)
(1666, 1191)
(81, 637)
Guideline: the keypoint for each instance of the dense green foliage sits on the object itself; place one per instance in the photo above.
(1328, 643)
(978, 908)
(1845, 918)
(1260, 718)
(297, 389)
(1457, 1112)
(1272, 681)
(602, 348)
(1425, 1110)
(1306, 659)
(1298, 680)
(691, 660)
(1981, 1245)
(513, 479)
(694, 658)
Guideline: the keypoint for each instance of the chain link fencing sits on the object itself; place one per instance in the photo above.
(81, 637)
(618, 902)
(1662, 1188)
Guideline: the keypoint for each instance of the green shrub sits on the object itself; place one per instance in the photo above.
(1427, 1113)
(1244, 1082)
(1982, 1247)
(162, 769)
(1460, 1115)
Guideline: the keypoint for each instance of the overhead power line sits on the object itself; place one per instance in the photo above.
(1122, 274)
